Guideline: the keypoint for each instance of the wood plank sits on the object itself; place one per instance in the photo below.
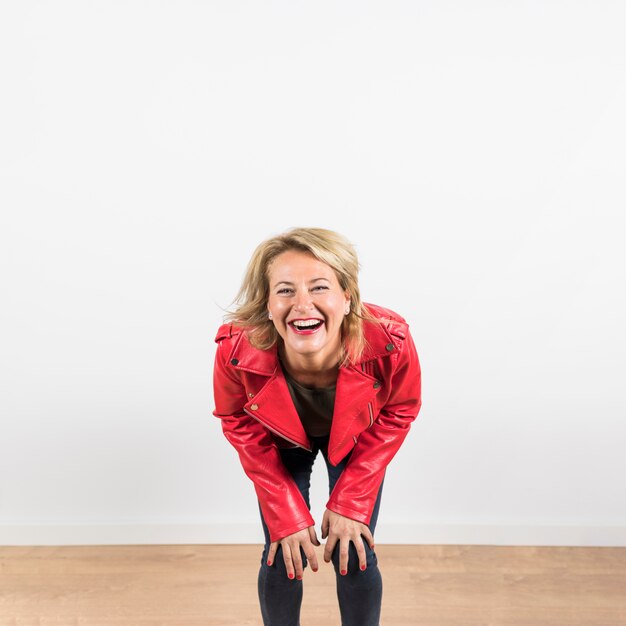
(194, 585)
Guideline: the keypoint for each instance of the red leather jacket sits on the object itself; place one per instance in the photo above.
(376, 400)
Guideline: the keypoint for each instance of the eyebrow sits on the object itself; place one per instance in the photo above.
(313, 280)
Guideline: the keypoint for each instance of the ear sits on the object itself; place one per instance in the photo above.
(348, 299)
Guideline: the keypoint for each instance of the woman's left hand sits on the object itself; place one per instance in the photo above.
(339, 528)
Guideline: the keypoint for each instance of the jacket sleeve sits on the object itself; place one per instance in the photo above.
(356, 490)
(284, 509)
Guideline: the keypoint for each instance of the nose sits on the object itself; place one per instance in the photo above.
(303, 301)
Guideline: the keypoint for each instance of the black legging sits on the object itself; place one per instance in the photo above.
(359, 592)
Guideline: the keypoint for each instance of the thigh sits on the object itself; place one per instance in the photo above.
(299, 463)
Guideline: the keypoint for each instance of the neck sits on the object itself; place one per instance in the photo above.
(311, 369)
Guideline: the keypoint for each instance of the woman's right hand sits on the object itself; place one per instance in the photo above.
(305, 539)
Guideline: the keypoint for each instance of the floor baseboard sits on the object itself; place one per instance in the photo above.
(250, 533)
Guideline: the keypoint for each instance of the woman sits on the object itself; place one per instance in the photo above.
(304, 366)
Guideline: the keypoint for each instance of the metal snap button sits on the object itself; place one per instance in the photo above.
(234, 361)
(254, 407)
(389, 347)
(377, 384)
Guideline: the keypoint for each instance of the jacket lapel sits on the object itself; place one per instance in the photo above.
(354, 392)
(273, 406)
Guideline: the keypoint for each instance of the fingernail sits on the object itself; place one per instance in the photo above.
(290, 576)
(299, 577)
(344, 572)
(362, 568)
(314, 569)
(269, 562)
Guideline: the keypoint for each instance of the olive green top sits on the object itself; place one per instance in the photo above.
(314, 406)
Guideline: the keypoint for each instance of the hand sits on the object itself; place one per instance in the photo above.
(339, 528)
(305, 538)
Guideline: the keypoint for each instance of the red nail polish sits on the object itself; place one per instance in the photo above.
(290, 576)
(344, 572)
(299, 577)
(315, 570)
(269, 562)
(362, 568)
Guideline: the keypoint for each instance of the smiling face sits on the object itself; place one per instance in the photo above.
(307, 306)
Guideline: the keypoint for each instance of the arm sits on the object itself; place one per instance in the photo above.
(284, 509)
(355, 492)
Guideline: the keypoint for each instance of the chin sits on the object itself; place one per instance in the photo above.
(300, 349)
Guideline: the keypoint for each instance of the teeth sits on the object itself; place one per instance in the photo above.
(306, 324)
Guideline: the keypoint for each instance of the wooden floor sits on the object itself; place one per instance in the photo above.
(202, 585)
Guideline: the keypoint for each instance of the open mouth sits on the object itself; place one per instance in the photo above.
(305, 327)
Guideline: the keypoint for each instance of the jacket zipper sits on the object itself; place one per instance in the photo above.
(367, 368)
(369, 406)
(275, 431)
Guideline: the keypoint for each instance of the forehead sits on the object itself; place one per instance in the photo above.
(295, 263)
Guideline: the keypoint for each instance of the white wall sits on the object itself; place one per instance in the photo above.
(473, 152)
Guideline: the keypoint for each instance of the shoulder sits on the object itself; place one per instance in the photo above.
(387, 327)
(230, 337)
(393, 322)
(227, 331)
(404, 359)
(234, 346)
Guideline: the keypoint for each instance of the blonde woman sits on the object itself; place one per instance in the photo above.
(304, 366)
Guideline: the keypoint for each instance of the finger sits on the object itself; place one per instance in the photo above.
(367, 533)
(297, 560)
(272, 552)
(313, 536)
(344, 546)
(325, 524)
(328, 549)
(288, 560)
(310, 554)
(360, 550)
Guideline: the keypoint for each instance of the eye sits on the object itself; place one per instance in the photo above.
(284, 290)
(320, 287)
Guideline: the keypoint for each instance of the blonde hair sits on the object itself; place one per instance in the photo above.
(325, 245)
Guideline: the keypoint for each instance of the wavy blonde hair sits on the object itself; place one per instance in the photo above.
(325, 245)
